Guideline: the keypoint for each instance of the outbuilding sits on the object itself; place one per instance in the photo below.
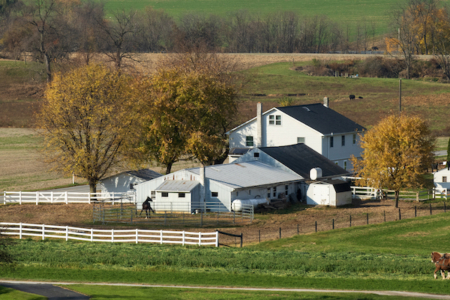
(330, 192)
(442, 180)
(125, 181)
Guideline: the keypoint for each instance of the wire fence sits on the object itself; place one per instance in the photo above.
(251, 236)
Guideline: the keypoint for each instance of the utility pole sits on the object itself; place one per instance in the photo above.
(400, 95)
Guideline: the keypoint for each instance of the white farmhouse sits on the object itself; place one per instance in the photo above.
(316, 125)
(442, 180)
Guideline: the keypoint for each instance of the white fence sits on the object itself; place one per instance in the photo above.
(113, 236)
(64, 197)
(359, 192)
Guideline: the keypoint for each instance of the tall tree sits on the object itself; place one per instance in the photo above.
(86, 120)
(396, 153)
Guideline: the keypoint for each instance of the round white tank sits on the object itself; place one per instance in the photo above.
(238, 204)
(315, 173)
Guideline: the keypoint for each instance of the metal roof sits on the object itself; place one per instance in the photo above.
(145, 174)
(177, 186)
(248, 174)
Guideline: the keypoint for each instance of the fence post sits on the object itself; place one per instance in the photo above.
(399, 214)
(43, 232)
(37, 198)
(51, 197)
(280, 233)
(161, 237)
(4, 197)
(445, 207)
(316, 225)
(234, 217)
(350, 220)
(417, 196)
(92, 234)
(20, 197)
(415, 211)
(137, 235)
(367, 218)
(431, 212)
(67, 233)
(259, 236)
(184, 237)
(242, 238)
(89, 198)
(298, 229)
(20, 231)
(384, 213)
(112, 235)
(333, 223)
(199, 238)
(67, 199)
(217, 239)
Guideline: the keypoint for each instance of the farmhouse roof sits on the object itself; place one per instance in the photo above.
(177, 186)
(301, 159)
(248, 174)
(321, 118)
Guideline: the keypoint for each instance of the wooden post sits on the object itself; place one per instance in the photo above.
(259, 236)
(161, 237)
(112, 235)
(367, 218)
(384, 216)
(37, 198)
(217, 239)
(316, 225)
(242, 238)
(415, 211)
(66, 196)
(92, 234)
(417, 196)
(431, 211)
(350, 220)
(280, 233)
(333, 223)
(20, 197)
(43, 232)
(199, 238)
(20, 231)
(184, 237)
(137, 236)
(298, 231)
(234, 217)
(399, 214)
(67, 233)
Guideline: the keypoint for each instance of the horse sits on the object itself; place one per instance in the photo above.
(147, 207)
(442, 263)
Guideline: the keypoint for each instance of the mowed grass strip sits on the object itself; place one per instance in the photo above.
(12, 294)
(390, 256)
(120, 292)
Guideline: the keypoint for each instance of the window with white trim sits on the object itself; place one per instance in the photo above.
(164, 194)
(331, 142)
(300, 140)
(343, 140)
(275, 120)
(249, 141)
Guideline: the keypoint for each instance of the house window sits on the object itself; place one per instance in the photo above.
(345, 165)
(286, 188)
(331, 142)
(271, 120)
(268, 193)
(249, 141)
(256, 154)
(131, 186)
(354, 139)
(164, 194)
(300, 140)
(278, 120)
(153, 194)
(343, 140)
(274, 191)
(214, 194)
(444, 178)
(181, 195)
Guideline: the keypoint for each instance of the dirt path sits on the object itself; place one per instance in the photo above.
(383, 293)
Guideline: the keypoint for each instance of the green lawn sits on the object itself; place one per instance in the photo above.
(11, 294)
(112, 292)
(389, 256)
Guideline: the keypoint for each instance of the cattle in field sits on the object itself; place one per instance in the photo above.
(351, 97)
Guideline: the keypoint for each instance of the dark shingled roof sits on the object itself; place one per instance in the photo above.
(301, 159)
(239, 151)
(321, 118)
(146, 174)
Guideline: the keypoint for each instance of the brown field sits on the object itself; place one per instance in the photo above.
(268, 225)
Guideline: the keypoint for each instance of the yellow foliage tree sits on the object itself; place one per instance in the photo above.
(86, 120)
(395, 154)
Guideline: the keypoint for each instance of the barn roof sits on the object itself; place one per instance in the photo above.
(177, 186)
(145, 174)
(301, 159)
(248, 174)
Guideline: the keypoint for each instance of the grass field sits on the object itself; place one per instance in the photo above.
(11, 294)
(389, 256)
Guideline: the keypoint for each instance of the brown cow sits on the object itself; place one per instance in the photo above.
(442, 263)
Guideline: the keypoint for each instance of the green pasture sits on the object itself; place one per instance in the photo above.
(389, 256)
(116, 292)
(12, 294)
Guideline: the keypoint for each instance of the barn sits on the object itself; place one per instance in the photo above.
(125, 181)
(330, 192)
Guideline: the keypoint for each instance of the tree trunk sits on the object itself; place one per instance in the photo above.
(48, 67)
(168, 168)
(92, 187)
(397, 194)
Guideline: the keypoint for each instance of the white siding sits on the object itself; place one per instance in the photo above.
(117, 184)
(341, 154)
(438, 180)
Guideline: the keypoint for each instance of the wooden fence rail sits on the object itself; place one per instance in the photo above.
(64, 197)
(113, 236)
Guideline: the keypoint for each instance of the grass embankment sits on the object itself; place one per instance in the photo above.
(379, 95)
(389, 256)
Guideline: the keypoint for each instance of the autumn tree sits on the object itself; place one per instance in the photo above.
(86, 120)
(396, 152)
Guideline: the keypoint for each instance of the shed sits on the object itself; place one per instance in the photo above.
(177, 195)
(442, 180)
(125, 181)
(331, 192)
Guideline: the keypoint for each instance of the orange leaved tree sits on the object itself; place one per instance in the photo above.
(395, 154)
(86, 120)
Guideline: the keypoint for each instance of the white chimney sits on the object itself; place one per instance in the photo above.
(259, 124)
(326, 102)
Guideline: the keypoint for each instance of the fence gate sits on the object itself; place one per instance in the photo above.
(227, 239)
(108, 213)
